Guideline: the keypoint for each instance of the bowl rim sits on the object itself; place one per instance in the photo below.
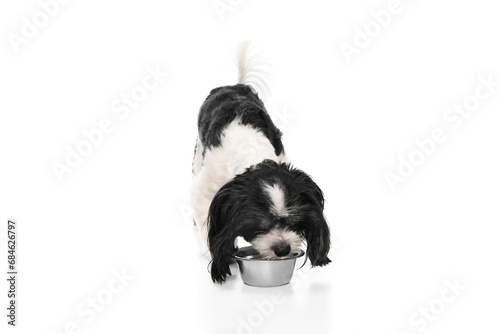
(235, 255)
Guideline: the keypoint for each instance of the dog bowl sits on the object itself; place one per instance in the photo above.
(256, 271)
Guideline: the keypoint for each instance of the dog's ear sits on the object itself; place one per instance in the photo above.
(222, 224)
(317, 235)
(315, 229)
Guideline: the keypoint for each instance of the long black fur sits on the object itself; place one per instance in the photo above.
(241, 208)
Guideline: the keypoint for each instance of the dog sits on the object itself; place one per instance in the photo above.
(243, 185)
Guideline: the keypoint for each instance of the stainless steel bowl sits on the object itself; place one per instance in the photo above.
(256, 271)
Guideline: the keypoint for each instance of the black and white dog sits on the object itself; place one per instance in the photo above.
(243, 186)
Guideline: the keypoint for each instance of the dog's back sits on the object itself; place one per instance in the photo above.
(224, 105)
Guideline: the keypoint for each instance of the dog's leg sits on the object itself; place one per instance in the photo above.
(200, 199)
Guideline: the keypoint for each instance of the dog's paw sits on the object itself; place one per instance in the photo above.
(219, 272)
(321, 262)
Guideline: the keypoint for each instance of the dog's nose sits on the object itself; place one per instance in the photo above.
(281, 250)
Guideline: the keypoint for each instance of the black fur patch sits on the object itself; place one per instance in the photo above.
(226, 103)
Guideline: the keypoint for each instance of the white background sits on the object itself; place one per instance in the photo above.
(127, 205)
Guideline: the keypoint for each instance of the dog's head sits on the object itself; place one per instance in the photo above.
(274, 207)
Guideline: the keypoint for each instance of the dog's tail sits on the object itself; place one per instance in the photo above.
(252, 70)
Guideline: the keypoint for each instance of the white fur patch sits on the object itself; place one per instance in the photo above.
(264, 243)
(277, 196)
